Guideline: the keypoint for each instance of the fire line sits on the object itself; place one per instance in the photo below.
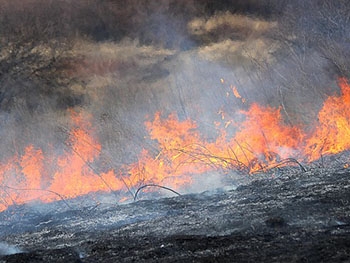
(262, 141)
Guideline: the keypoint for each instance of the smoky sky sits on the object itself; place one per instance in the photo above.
(123, 61)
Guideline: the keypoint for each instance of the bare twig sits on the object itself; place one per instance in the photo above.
(284, 162)
(154, 185)
(42, 190)
(241, 164)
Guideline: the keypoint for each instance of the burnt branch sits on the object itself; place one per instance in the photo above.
(154, 185)
(38, 190)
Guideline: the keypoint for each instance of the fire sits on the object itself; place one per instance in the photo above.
(237, 94)
(259, 141)
(332, 134)
(263, 139)
(23, 178)
(169, 164)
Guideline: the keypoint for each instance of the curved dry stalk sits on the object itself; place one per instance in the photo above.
(290, 160)
(43, 190)
(154, 185)
(283, 162)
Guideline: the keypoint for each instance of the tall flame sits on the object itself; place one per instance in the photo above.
(261, 141)
(332, 134)
(23, 178)
(258, 142)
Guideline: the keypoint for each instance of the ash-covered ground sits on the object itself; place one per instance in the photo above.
(294, 217)
(121, 63)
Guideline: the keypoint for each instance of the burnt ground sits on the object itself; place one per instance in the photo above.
(292, 217)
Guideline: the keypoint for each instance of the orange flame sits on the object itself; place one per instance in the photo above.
(261, 141)
(236, 93)
(22, 177)
(332, 134)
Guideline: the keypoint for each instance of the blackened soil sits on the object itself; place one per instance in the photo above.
(303, 217)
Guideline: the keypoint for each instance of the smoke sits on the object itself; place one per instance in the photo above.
(123, 62)
(7, 249)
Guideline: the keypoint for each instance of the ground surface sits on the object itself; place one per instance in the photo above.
(303, 217)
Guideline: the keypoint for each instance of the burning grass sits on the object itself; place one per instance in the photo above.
(75, 106)
(258, 143)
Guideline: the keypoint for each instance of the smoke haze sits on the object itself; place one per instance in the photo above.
(123, 62)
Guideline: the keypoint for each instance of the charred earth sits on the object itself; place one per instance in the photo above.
(294, 217)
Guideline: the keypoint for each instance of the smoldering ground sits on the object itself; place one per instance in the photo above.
(123, 62)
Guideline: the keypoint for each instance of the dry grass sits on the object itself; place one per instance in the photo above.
(241, 53)
(229, 22)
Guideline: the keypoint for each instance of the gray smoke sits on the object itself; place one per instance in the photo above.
(7, 249)
(123, 62)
